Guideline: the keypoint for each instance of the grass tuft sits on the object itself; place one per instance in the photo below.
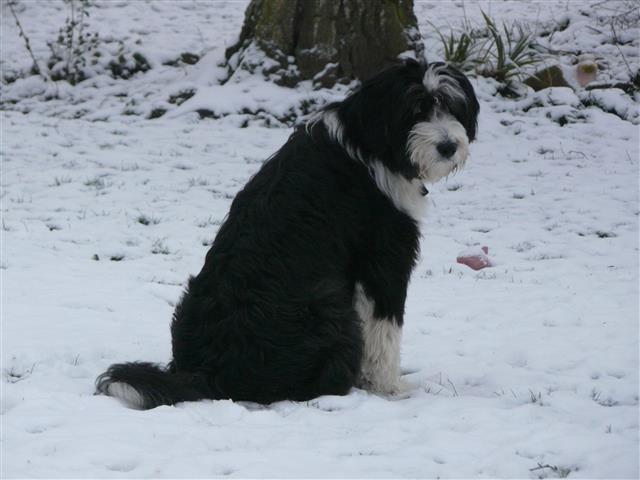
(58, 181)
(556, 471)
(499, 53)
(147, 220)
(96, 182)
(159, 247)
(510, 50)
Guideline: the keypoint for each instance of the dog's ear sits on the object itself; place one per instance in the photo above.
(466, 108)
(413, 68)
(414, 64)
(472, 106)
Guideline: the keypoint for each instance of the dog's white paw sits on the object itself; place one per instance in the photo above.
(404, 388)
(126, 394)
(398, 390)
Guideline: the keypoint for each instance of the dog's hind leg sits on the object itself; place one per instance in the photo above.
(337, 372)
(320, 363)
(337, 347)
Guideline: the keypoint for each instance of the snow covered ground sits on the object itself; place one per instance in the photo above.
(527, 369)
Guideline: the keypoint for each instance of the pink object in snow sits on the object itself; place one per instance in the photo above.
(586, 70)
(475, 259)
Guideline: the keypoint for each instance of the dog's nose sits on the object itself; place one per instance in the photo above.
(447, 149)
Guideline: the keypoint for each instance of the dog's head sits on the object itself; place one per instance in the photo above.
(417, 120)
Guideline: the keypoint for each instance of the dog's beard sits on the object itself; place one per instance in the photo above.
(422, 147)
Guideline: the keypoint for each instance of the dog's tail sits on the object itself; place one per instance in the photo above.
(143, 385)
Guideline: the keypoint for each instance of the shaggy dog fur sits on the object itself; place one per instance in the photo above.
(302, 293)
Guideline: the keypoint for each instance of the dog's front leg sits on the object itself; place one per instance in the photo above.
(382, 335)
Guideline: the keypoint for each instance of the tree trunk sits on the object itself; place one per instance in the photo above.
(326, 41)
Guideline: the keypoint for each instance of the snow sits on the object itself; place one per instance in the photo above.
(525, 369)
(615, 101)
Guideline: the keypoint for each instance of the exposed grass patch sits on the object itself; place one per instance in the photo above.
(130, 167)
(13, 376)
(96, 182)
(523, 246)
(159, 247)
(603, 234)
(200, 182)
(206, 113)
(210, 221)
(536, 398)
(22, 198)
(181, 97)
(555, 471)
(156, 113)
(186, 58)
(596, 396)
(58, 181)
(147, 220)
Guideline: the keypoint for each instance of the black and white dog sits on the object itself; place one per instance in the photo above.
(302, 293)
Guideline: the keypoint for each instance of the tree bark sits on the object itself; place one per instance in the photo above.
(326, 41)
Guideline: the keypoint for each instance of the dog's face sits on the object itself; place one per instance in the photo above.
(418, 120)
